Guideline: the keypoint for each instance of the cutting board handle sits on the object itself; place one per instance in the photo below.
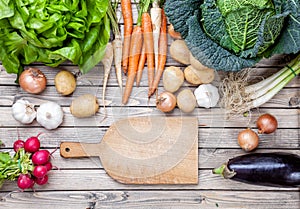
(76, 149)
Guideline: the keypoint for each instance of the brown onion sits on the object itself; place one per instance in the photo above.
(166, 102)
(248, 140)
(33, 80)
(266, 124)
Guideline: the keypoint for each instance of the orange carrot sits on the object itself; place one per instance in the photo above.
(149, 46)
(136, 44)
(162, 52)
(141, 66)
(128, 26)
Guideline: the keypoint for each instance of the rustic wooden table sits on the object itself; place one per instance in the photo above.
(83, 183)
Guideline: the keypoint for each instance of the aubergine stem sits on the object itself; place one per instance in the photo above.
(224, 171)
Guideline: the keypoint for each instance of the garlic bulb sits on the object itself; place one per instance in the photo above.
(50, 115)
(207, 95)
(23, 111)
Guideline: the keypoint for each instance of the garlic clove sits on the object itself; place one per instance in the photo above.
(50, 115)
(23, 111)
(207, 95)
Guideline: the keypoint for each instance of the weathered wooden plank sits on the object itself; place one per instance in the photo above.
(214, 117)
(208, 158)
(97, 179)
(209, 137)
(95, 76)
(9, 94)
(113, 96)
(150, 199)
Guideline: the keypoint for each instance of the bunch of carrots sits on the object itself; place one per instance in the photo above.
(146, 41)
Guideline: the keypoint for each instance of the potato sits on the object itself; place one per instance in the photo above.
(195, 63)
(186, 101)
(180, 52)
(197, 77)
(84, 106)
(65, 82)
(173, 78)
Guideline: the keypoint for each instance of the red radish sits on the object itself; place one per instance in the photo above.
(40, 171)
(25, 182)
(32, 144)
(40, 157)
(18, 144)
(49, 166)
(42, 181)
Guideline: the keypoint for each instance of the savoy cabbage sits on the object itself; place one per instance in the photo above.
(231, 35)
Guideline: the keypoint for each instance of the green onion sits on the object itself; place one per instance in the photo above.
(263, 91)
(238, 98)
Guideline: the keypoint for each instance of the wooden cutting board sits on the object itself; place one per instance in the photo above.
(145, 150)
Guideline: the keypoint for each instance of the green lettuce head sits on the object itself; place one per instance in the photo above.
(53, 32)
(231, 35)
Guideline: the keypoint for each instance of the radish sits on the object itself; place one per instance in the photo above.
(32, 144)
(25, 182)
(40, 157)
(42, 181)
(49, 166)
(40, 171)
(18, 144)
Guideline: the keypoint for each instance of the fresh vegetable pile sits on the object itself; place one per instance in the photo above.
(30, 165)
(224, 35)
(52, 32)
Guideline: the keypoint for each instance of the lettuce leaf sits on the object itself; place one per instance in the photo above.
(52, 32)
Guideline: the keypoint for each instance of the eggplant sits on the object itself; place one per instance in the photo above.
(277, 169)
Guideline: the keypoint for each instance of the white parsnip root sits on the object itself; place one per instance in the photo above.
(117, 49)
(155, 13)
(107, 63)
(117, 43)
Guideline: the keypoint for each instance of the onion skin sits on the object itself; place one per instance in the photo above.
(33, 81)
(166, 102)
(248, 140)
(266, 124)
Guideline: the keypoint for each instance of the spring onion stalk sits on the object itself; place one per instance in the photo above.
(262, 87)
(272, 87)
(238, 98)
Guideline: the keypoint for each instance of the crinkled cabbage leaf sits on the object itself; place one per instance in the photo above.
(231, 35)
(52, 32)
